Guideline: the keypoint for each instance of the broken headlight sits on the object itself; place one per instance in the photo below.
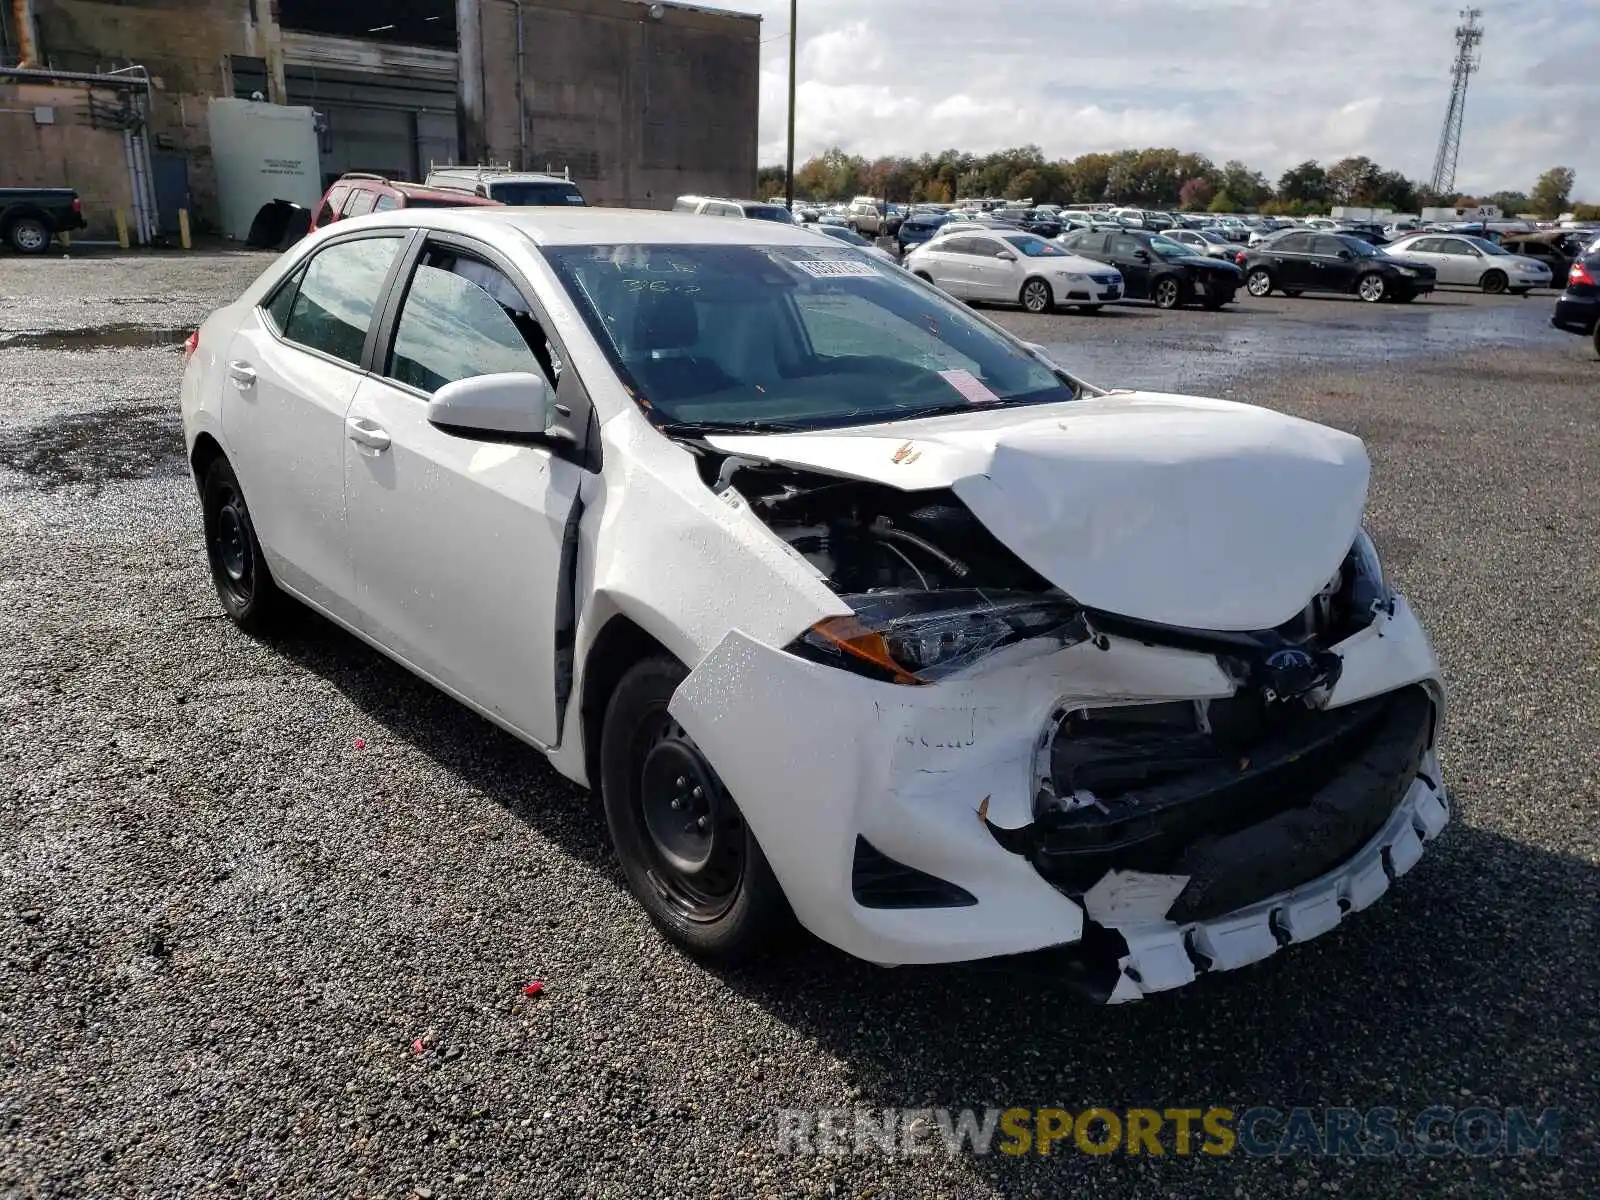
(921, 637)
(1369, 591)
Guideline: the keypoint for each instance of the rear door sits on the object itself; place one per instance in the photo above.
(292, 371)
(456, 542)
(1289, 259)
(946, 261)
(1427, 250)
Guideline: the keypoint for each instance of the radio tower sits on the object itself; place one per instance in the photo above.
(1468, 36)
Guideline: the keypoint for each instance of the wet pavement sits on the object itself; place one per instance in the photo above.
(267, 907)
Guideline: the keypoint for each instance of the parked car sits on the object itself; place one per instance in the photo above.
(1372, 237)
(358, 193)
(721, 206)
(1301, 260)
(841, 233)
(1557, 249)
(920, 227)
(1473, 262)
(899, 537)
(1578, 309)
(538, 189)
(1013, 268)
(1210, 242)
(30, 218)
(1045, 224)
(1156, 268)
(867, 215)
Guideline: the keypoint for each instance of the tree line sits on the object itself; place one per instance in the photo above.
(1151, 178)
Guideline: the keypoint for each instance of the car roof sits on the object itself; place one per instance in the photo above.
(421, 191)
(553, 226)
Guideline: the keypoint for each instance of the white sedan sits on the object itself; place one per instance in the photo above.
(854, 609)
(1013, 268)
(1472, 262)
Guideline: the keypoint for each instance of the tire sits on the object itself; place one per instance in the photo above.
(1037, 297)
(28, 235)
(1259, 284)
(1167, 293)
(705, 884)
(1372, 287)
(238, 568)
(924, 276)
(1493, 282)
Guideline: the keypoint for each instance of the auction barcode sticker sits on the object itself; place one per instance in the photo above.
(835, 268)
(972, 389)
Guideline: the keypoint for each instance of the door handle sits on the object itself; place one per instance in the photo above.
(242, 373)
(366, 433)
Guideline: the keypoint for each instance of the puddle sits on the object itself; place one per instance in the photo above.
(120, 336)
(108, 445)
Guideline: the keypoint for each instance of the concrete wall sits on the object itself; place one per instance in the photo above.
(642, 110)
(71, 152)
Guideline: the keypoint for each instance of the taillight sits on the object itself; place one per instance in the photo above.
(191, 345)
(1579, 274)
(77, 205)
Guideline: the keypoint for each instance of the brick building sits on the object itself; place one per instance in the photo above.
(642, 101)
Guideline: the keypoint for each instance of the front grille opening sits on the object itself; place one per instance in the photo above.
(878, 881)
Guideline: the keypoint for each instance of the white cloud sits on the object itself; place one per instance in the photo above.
(1271, 82)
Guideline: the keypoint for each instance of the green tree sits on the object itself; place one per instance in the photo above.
(1353, 180)
(1586, 212)
(1304, 184)
(1223, 203)
(1552, 191)
(1510, 203)
(770, 181)
(1248, 188)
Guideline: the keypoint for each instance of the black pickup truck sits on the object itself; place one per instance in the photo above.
(31, 217)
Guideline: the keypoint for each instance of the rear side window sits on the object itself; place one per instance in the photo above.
(1328, 247)
(462, 318)
(360, 203)
(338, 291)
(1293, 243)
(385, 203)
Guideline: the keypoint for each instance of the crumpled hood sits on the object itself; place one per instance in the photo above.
(1184, 511)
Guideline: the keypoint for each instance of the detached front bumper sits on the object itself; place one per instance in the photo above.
(901, 820)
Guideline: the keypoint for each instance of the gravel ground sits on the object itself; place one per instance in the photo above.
(243, 884)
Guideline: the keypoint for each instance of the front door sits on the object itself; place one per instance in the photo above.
(1333, 263)
(992, 275)
(1460, 262)
(291, 372)
(457, 542)
(1131, 255)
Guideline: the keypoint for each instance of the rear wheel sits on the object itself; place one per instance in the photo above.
(1493, 282)
(1259, 284)
(1372, 288)
(1167, 293)
(28, 235)
(683, 844)
(238, 568)
(1036, 297)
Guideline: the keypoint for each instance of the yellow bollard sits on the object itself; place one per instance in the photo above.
(122, 230)
(183, 229)
(65, 238)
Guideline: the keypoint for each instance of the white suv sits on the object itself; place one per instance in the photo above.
(718, 206)
(522, 188)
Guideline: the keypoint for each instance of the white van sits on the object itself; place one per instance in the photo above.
(525, 188)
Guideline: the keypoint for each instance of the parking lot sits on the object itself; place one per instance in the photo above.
(267, 909)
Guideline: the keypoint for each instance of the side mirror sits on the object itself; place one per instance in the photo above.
(509, 405)
(1142, 255)
(1346, 255)
(1006, 256)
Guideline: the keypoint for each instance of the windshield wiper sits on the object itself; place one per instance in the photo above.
(693, 428)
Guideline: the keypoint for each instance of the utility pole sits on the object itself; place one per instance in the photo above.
(794, 51)
(1468, 37)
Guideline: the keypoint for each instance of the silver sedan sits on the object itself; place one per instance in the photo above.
(1473, 262)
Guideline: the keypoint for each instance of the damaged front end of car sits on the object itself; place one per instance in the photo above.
(974, 763)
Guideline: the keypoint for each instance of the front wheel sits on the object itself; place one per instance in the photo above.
(238, 568)
(1259, 284)
(1037, 297)
(1167, 293)
(687, 854)
(1493, 282)
(1372, 288)
(28, 235)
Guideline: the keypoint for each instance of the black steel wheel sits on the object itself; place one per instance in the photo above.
(238, 569)
(1493, 282)
(684, 846)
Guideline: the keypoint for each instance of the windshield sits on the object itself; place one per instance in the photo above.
(1036, 247)
(1211, 235)
(1168, 248)
(1487, 246)
(840, 233)
(535, 193)
(789, 337)
(1358, 247)
(768, 212)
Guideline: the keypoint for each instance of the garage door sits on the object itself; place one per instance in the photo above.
(389, 126)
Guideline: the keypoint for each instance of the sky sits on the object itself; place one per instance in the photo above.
(1271, 82)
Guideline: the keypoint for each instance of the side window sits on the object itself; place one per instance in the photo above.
(957, 245)
(463, 318)
(329, 212)
(1327, 247)
(333, 305)
(385, 203)
(282, 302)
(986, 247)
(1124, 246)
(1457, 246)
(1424, 246)
(360, 203)
(1295, 243)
